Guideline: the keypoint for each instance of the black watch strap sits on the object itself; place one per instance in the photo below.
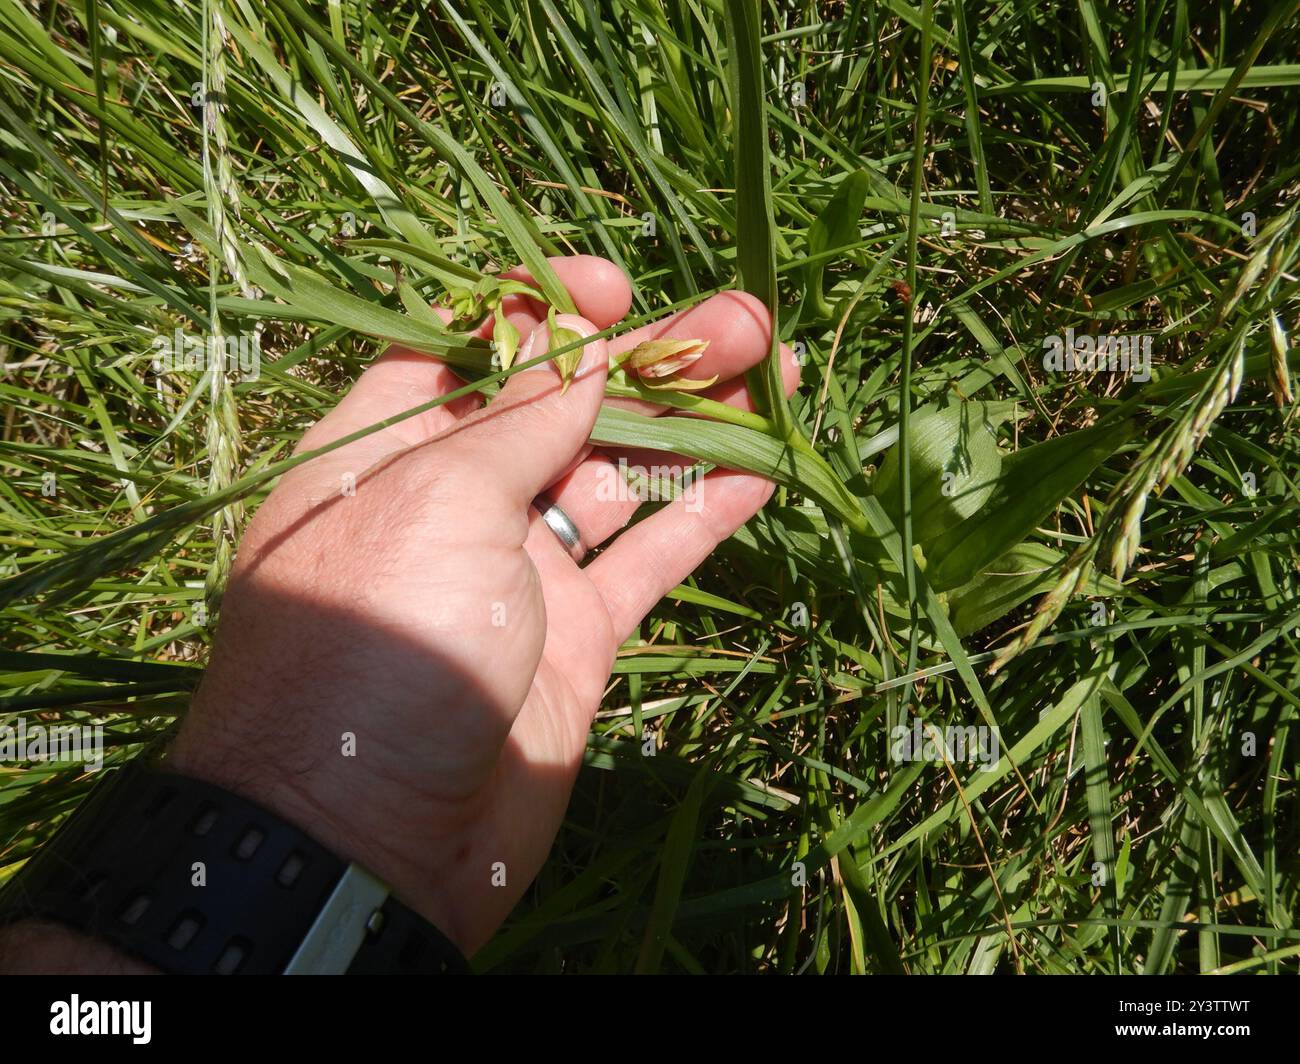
(197, 880)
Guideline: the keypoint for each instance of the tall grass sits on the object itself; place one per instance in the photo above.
(1101, 568)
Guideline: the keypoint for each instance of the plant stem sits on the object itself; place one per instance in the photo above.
(909, 319)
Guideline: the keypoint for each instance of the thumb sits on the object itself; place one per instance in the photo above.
(530, 434)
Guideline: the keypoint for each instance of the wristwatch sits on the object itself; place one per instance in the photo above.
(196, 880)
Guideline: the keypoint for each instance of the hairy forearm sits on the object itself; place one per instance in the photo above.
(34, 947)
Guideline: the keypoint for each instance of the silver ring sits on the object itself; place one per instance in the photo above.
(562, 525)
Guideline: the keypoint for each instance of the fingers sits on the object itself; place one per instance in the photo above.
(734, 393)
(595, 493)
(737, 327)
(596, 498)
(648, 561)
(402, 378)
(394, 383)
(600, 291)
(534, 430)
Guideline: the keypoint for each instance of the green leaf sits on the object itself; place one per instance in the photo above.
(674, 862)
(1032, 482)
(1019, 574)
(318, 299)
(955, 467)
(512, 223)
(395, 213)
(755, 228)
(732, 447)
(1100, 813)
(417, 306)
(836, 226)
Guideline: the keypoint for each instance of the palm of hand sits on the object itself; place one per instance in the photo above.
(429, 613)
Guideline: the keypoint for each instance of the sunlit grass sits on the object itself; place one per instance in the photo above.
(920, 228)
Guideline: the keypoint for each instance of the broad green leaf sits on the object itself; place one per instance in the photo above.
(732, 447)
(955, 465)
(836, 226)
(1015, 576)
(1018, 574)
(1033, 481)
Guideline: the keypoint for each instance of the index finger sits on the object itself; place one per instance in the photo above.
(600, 290)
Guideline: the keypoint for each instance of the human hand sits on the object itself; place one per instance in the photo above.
(401, 591)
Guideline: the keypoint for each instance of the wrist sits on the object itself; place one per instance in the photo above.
(36, 947)
(321, 803)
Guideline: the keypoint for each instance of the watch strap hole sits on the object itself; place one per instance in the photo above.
(185, 930)
(248, 843)
(291, 869)
(135, 908)
(232, 957)
(205, 820)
